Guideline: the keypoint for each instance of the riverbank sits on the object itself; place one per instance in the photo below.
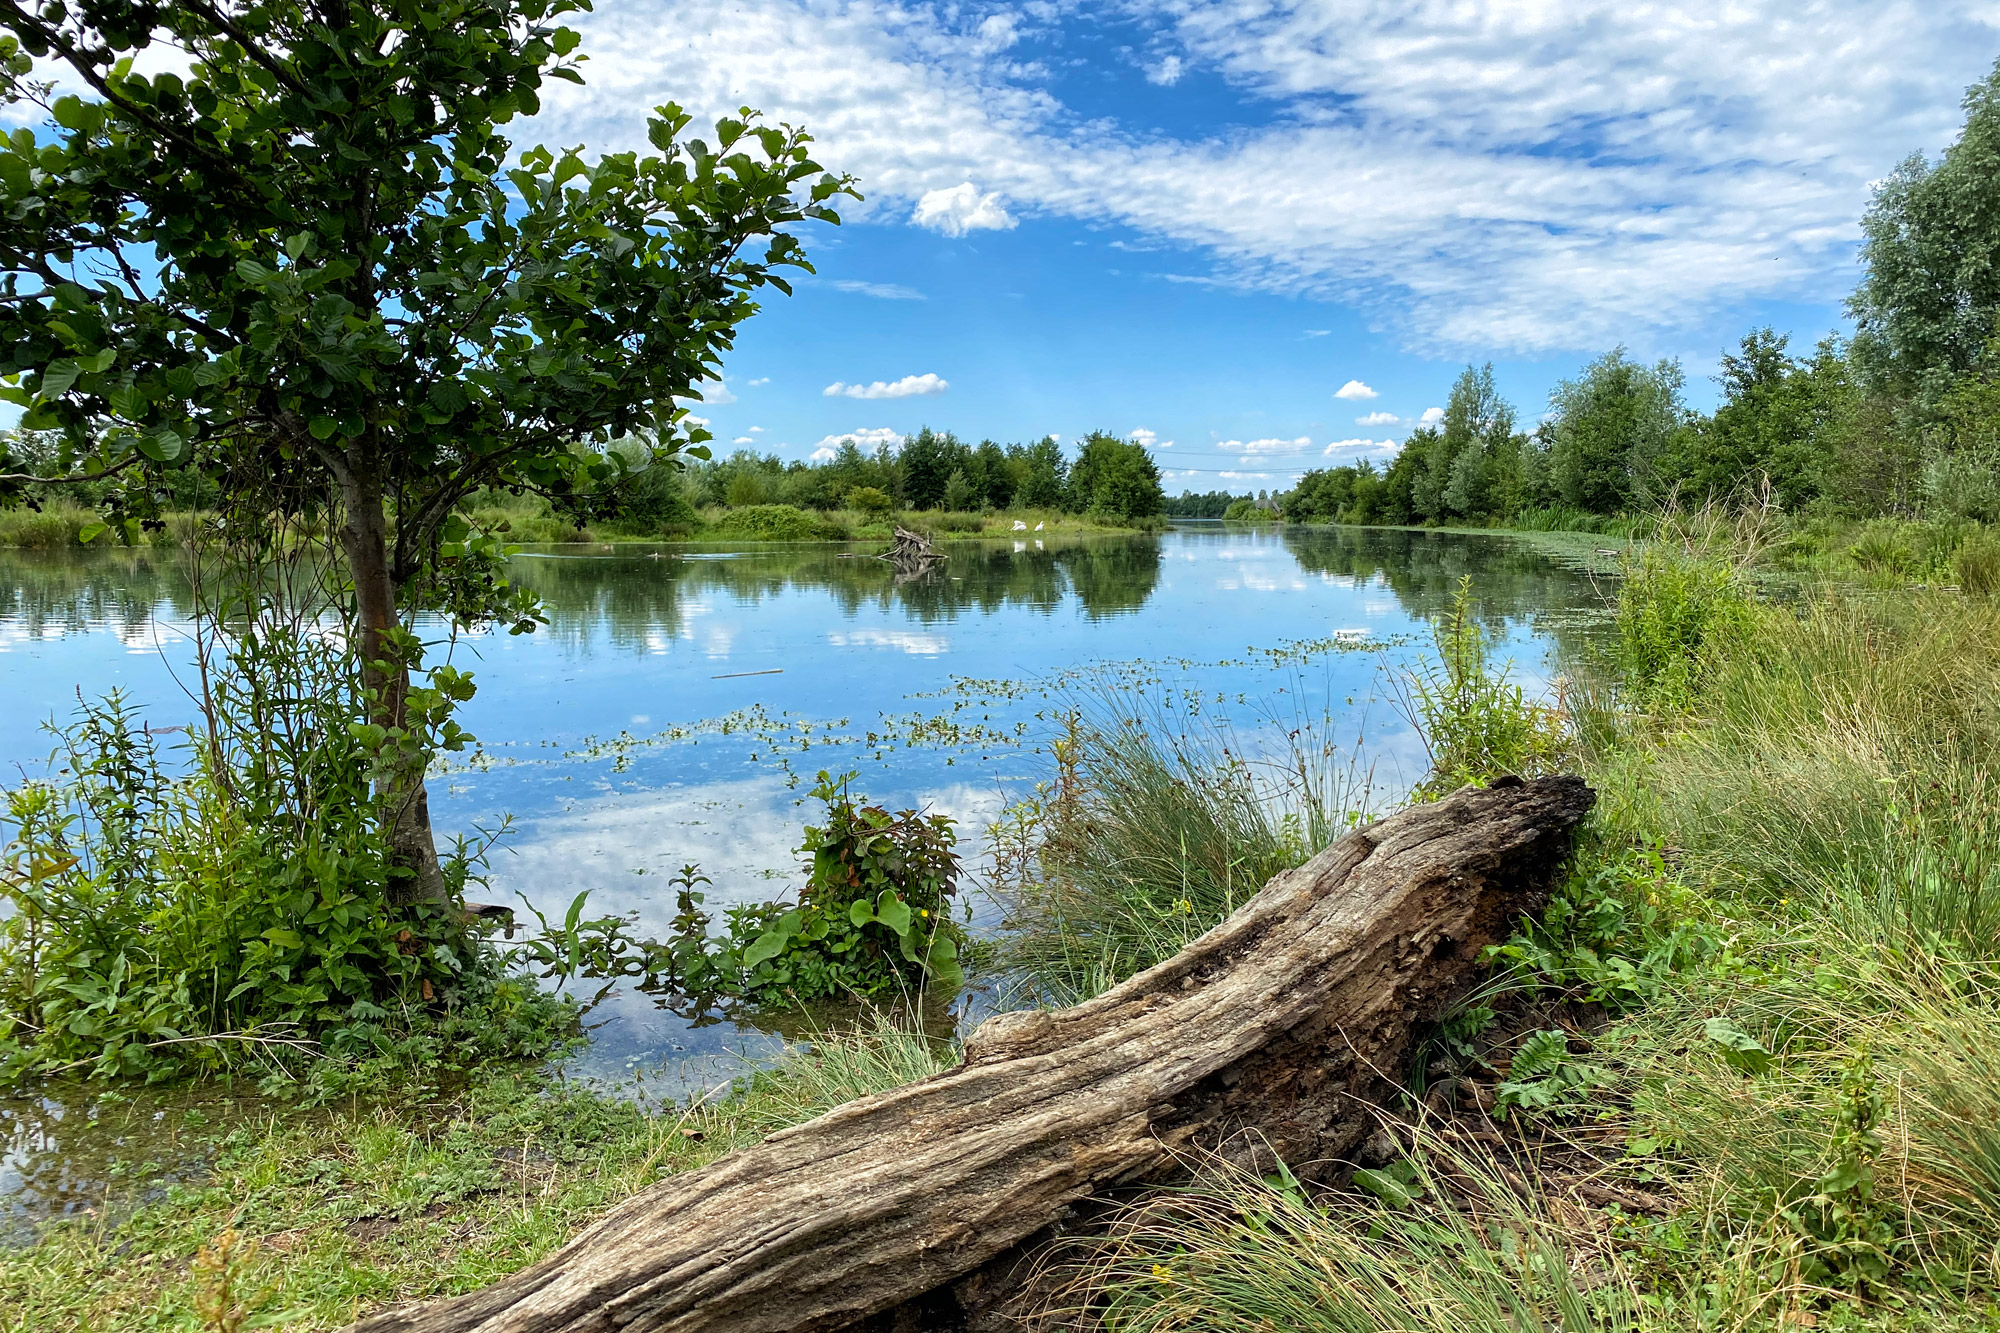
(60, 527)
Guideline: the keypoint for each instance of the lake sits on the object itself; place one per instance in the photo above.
(681, 700)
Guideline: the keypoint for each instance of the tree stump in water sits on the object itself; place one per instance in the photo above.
(1289, 1019)
(912, 552)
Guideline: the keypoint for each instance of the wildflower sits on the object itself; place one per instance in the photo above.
(1163, 1273)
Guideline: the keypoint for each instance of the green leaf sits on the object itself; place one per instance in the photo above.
(893, 912)
(942, 962)
(323, 427)
(859, 912)
(765, 947)
(1394, 1185)
(90, 532)
(57, 379)
(1739, 1048)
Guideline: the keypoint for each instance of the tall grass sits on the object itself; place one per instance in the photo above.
(1458, 1250)
(1160, 821)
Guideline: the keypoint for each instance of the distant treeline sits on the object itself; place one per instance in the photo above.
(1109, 478)
(1903, 419)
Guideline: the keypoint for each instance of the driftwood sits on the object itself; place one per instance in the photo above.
(912, 552)
(1271, 1033)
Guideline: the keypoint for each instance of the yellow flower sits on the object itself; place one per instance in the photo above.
(1162, 1272)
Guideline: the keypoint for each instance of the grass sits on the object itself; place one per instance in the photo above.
(314, 1219)
(1767, 995)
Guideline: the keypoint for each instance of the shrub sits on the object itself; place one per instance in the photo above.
(1676, 609)
(870, 501)
(1475, 723)
(1977, 563)
(777, 523)
(1883, 548)
(53, 527)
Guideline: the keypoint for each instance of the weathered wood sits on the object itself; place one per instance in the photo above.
(1288, 1019)
(912, 552)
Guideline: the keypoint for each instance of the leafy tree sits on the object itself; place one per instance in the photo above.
(928, 459)
(1322, 495)
(1451, 480)
(312, 268)
(960, 495)
(1779, 418)
(1041, 474)
(1115, 477)
(1931, 294)
(991, 474)
(1611, 426)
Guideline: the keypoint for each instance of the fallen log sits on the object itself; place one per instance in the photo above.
(1290, 1018)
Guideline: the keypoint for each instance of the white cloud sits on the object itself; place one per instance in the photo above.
(1433, 416)
(910, 386)
(961, 209)
(1318, 333)
(692, 420)
(881, 291)
(744, 439)
(1378, 419)
(1149, 439)
(1246, 476)
(1166, 73)
(1529, 177)
(712, 393)
(823, 454)
(1359, 447)
(1355, 389)
(1250, 450)
(756, 430)
(759, 382)
(869, 438)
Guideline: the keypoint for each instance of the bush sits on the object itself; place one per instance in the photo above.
(1676, 608)
(1476, 724)
(1977, 563)
(870, 501)
(164, 922)
(53, 527)
(777, 523)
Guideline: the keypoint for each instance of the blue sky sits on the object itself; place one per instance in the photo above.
(1201, 222)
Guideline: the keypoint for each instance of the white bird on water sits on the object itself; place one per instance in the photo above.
(1038, 527)
(1019, 526)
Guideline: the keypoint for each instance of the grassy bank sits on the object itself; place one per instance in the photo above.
(60, 527)
(1744, 1073)
(305, 1220)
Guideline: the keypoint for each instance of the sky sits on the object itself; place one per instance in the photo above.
(1261, 235)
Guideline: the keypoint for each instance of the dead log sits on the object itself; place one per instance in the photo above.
(912, 552)
(1288, 1019)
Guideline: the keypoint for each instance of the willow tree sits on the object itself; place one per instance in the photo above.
(310, 258)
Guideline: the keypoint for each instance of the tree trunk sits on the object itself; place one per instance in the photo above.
(1272, 1033)
(405, 804)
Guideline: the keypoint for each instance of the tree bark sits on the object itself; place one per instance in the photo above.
(1273, 1033)
(400, 792)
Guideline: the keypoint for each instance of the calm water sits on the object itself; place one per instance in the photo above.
(626, 738)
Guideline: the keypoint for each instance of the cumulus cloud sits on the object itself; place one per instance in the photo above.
(1149, 439)
(1166, 73)
(1250, 450)
(1433, 416)
(760, 381)
(744, 439)
(1355, 389)
(961, 209)
(910, 386)
(1533, 177)
(1359, 448)
(1378, 419)
(869, 438)
(881, 291)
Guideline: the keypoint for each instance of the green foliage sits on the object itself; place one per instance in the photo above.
(1476, 724)
(1976, 562)
(776, 523)
(162, 922)
(1115, 478)
(870, 501)
(1543, 1079)
(1931, 296)
(1682, 598)
(1247, 511)
(1154, 828)
(873, 920)
(1610, 428)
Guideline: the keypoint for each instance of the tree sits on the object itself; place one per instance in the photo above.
(1611, 425)
(1042, 473)
(991, 475)
(928, 460)
(1779, 418)
(1478, 430)
(308, 268)
(1931, 294)
(1115, 478)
